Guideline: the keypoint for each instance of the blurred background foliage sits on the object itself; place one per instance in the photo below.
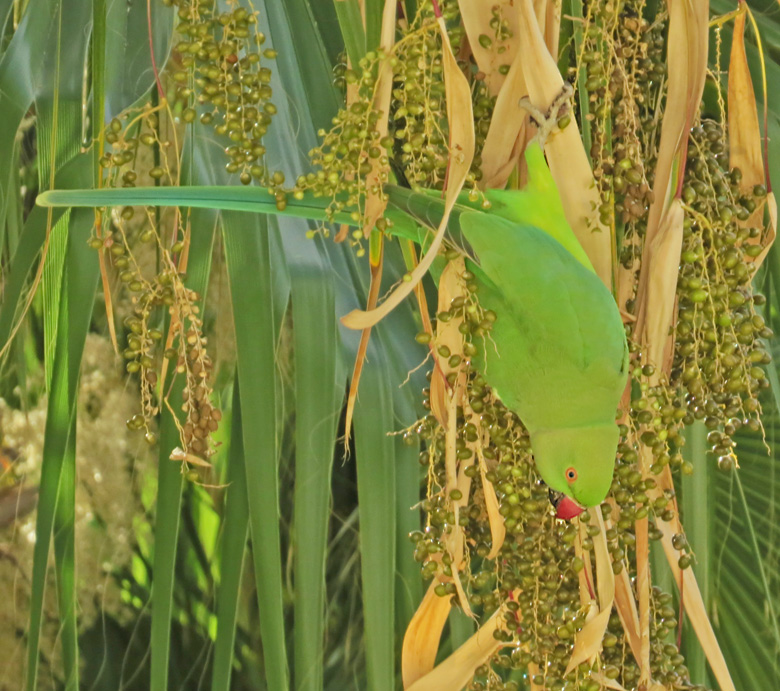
(154, 580)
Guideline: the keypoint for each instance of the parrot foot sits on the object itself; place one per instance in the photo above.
(547, 121)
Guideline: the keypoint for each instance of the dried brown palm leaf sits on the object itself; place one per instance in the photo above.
(496, 520)
(688, 40)
(421, 640)
(657, 290)
(627, 611)
(607, 683)
(744, 130)
(461, 154)
(563, 147)
(458, 669)
(656, 293)
(360, 357)
(454, 541)
(490, 48)
(447, 336)
(771, 230)
(549, 16)
(745, 134)
(445, 399)
(376, 200)
(696, 610)
(587, 642)
(510, 130)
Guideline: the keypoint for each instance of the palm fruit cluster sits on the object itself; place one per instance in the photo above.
(414, 146)
(224, 69)
(418, 113)
(537, 574)
(418, 109)
(620, 66)
(132, 240)
(720, 335)
(352, 146)
(716, 375)
(716, 372)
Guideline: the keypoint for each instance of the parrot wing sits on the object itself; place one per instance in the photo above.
(559, 357)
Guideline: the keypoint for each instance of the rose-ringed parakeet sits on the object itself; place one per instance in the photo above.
(560, 360)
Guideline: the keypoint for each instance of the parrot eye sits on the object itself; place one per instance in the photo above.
(571, 474)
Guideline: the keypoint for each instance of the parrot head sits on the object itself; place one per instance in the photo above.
(577, 464)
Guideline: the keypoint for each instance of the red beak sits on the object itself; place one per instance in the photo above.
(568, 508)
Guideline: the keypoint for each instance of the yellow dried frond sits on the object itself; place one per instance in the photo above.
(688, 40)
(496, 520)
(461, 154)
(458, 669)
(447, 335)
(489, 50)
(587, 643)
(376, 200)
(421, 640)
(510, 130)
(564, 149)
(626, 609)
(691, 595)
(657, 290)
(745, 133)
(744, 130)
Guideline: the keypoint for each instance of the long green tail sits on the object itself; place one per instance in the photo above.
(411, 214)
(224, 198)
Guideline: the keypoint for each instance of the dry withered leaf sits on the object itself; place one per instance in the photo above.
(692, 598)
(771, 231)
(508, 124)
(182, 456)
(696, 610)
(510, 130)
(455, 539)
(564, 149)
(656, 293)
(376, 201)
(688, 39)
(360, 357)
(607, 683)
(461, 124)
(489, 53)
(658, 285)
(421, 640)
(448, 335)
(496, 520)
(548, 13)
(458, 669)
(743, 127)
(587, 642)
(627, 611)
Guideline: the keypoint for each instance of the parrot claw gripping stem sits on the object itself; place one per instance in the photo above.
(547, 121)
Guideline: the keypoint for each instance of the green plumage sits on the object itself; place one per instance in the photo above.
(559, 356)
(560, 359)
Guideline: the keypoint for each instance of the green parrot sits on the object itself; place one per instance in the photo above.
(560, 360)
